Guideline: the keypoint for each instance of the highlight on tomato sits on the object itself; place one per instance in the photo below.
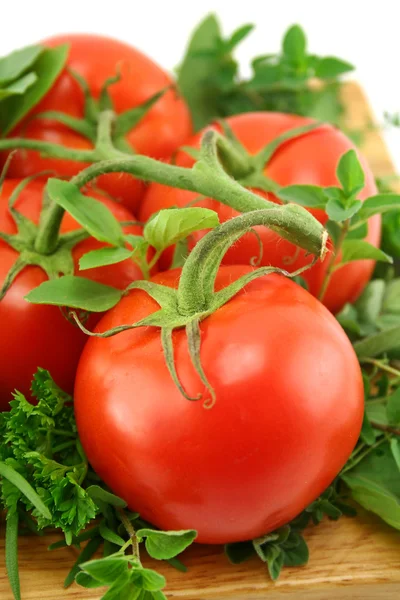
(308, 158)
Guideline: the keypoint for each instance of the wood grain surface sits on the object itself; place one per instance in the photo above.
(357, 559)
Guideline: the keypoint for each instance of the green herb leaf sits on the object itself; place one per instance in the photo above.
(46, 67)
(86, 581)
(17, 63)
(379, 204)
(395, 449)
(147, 579)
(103, 257)
(295, 551)
(89, 550)
(331, 67)
(164, 545)
(393, 408)
(360, 250)
(294, 45)
(337, 212)
(12, 554)
(350, 173)
(75, 292)
(109, 535)
(25, 488)
(197, 67)
(94, 216)
(239, 552)
(275, 559)
(375, 484)
(310, 196)
(238, 36)
(169, 226)
(106, 570)
(99, 494)
(378, 343)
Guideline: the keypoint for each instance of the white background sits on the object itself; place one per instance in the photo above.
(364, 32)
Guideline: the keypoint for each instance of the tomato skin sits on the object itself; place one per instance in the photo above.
(34, 335)
(158, 134)
(288, 411)
(310, 159)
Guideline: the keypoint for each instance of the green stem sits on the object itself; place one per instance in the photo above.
(104, 148)
(48, 149)
(332, 259)
(381, 365)
(385, 428)
(291, 223)
(361, 456)
(131, 532)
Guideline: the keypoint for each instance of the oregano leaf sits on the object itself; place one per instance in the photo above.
(350, 173)
(360, 250)
(163, 545)
(310, 196)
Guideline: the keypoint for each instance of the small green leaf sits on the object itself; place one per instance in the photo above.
(103, 257)
(109, 535)
(294, 45)
(106, 570)
(163, 545)
(275, 560)
(350, 173)
(147, 579)
(86, 554)
(94, 216)
(18, 62)
(361, 250)
(375, 484)
(46, 67)
(239, 552)
(379, 204)
(393, 408)
(331, 67)
(25, 488)
(97, 493)
(378, 343)
(395, 449)
(310, 196)
(18, 87)
(169, 226)
(86, 581)
(295, 554)
(337, 212)
(238, 36)
(11, 550)
(75, 292)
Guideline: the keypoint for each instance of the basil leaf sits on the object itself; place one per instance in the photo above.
(393, 408)
(94, 216)
(169, 226)
(75, 292)
(104, 257)
(18, 62)
(331, 67)
(375, 484)
(337, 212)
(47, 67)
(310, 196)
(164, 545)
(350, 173)
(360, 250)
(379, 204)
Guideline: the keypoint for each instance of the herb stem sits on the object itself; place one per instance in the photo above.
(331, 263)
(385, 428)
(381, 365)
(131, 532)
(361, 456)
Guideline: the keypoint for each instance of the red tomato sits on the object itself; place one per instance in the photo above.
(309, 159)
(288, 410)
(97, 58)
(34, 335)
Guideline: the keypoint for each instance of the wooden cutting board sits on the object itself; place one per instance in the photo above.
(357, 559)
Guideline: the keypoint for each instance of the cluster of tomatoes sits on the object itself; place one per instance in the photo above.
(288, 385)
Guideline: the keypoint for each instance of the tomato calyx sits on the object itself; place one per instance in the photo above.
(195, 299)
